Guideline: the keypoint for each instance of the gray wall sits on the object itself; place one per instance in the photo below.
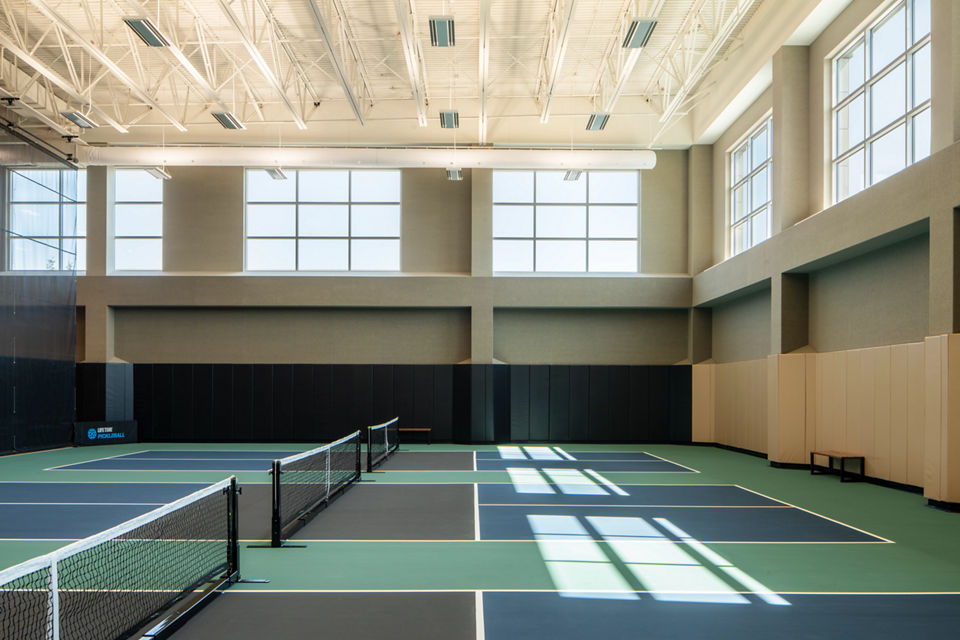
(879, 298)
(741, 328)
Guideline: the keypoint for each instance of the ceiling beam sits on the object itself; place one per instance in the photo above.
(261, 62)
(338, 65)
(413, 54)
(484, 64)
(557, 38)
(103, 59)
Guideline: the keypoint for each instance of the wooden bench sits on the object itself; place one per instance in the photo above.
(425, 430)
(842, 456)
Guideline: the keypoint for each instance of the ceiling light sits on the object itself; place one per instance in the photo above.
(597, 121)
(158, 173)
(573, 175)
(441, 31)
(449, 119)
(455, 175)
(150, 35)
(227, 119)
(276, 173)
(638, 33)
(79, 119)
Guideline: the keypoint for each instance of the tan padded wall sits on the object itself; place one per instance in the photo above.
(704, 403)
(741, 404)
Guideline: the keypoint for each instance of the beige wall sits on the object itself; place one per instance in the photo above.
(875, 299)
(284, 335)
(663, 215)
(741, 328)
(730, 404)
(435, 231)
(590, 336)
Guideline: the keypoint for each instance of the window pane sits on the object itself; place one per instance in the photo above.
(889, 40)
(888, 154)
(375, 186)
(613, 256)
(551, 187)
(759, 195)
(921, 76)
(850, 125)
(34, 255)
(139, 255)
(68, 185)
(74, 220)
(324, 186)
(35, 219)
(81, 186)
(561, 222)
(561, 255)
(740, 238)
(262, 188)
(74, 254)
(271, 220)
(921, 135)
(741, 158)
(613, 222)
(271, 255)
(324, 220)
(513, 255)
(324, 255)
(513, 186)
(758, 148)
(375, 255)
(758, 228)
(850, 176)
(136, 185)
(921, 19)
(614, 187)
(888, 98)
(740, 201)
(375, 220)
(850, 70)
(39, 185)
(513, 221)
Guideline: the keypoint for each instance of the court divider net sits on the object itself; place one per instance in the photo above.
(381, 443)
(307, 481)
(113, 584)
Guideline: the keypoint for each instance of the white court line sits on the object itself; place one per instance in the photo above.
(478, 612)
(130, 504)
(474, 460)
(671, 461)
(513, 540)
(476, 512)
(60, 482)
(122, 455)
(814, 513)
(564, 453)
(609, 485)
(634, 506)
(454, 590)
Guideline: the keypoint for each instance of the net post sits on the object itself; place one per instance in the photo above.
(358, 470)
(54, 602)
(275, 524)
(369, 450)
(233, 508)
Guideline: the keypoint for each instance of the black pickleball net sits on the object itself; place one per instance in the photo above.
(382, 441)
(307, 481)
(110, 585)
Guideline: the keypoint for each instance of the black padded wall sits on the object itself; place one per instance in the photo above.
(462, 403)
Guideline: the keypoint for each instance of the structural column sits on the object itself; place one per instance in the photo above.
(791, 139)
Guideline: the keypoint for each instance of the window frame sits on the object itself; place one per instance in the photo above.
(116, 237)
(733, 184)
(296, 238)
(864, 37)
(53, 241)
(586, 238)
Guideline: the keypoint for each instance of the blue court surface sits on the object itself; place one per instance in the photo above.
(185, 461)
(69, 511)
(634, 495)
(642, 466)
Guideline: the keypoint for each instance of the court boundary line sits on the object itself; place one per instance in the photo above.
(119, 455)
(461, 590)
(671, 462)
(814, 513)
(644, 506)
(88, 504)
(530, 540)
(478, 614)
(476, 512)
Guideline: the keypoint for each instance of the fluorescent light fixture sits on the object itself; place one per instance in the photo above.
(227, 119)
(455, 175)
(79, 119)
(441, 31)
(147, 31)
(158, 173)
(449, 119)
(597, 121)
(638, 33)
(276, 173)
(573, 175)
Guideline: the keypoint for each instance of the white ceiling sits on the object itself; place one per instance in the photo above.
(523, 72)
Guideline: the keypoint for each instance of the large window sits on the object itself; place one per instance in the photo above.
(138, 221)
(881, 99)
(323, 220)
(544, 223)
(46, 224)
(749, 195)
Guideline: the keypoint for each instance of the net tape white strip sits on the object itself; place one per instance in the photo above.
(313, 452)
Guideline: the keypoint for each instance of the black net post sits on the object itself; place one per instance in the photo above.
(233, 550)
(369, 450)
(276, 525)
(359, 466)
